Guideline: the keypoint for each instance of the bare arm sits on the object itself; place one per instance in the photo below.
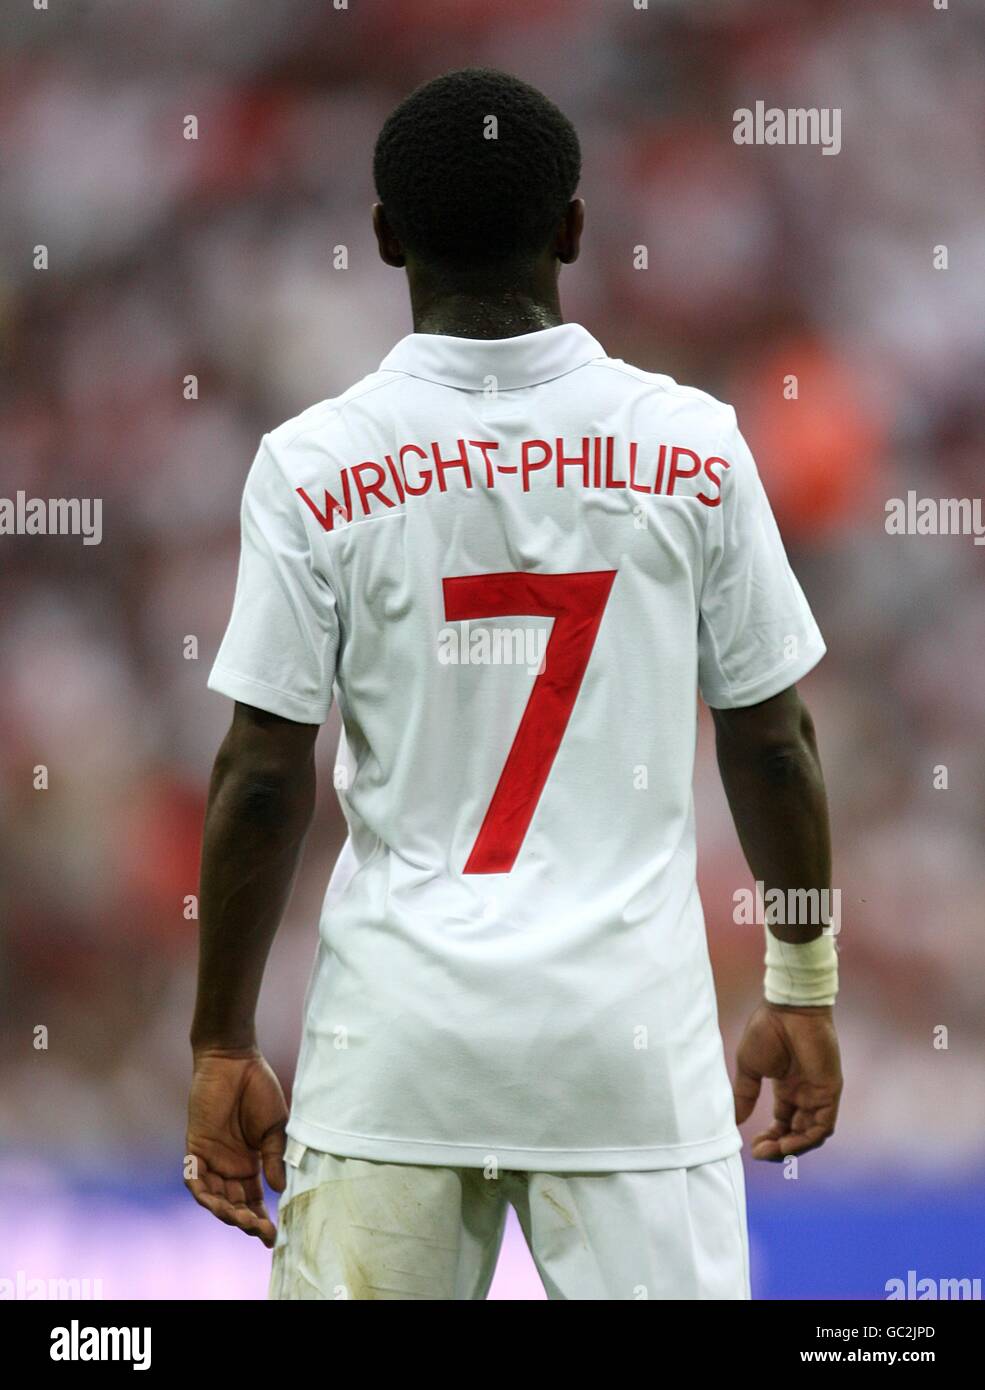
(767, 755)
(260, 804)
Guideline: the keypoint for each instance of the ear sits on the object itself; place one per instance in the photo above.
(391, 252)
(568, 243)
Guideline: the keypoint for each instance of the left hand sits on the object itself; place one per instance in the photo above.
(236, 1127)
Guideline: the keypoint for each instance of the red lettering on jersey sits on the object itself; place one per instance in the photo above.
(368, 490)
(333, 508)
(425, 473)
(529, 467)
(661, 460)
(673, 462)
(610, 481)
(576, 603)
(575, 461)
(482, 445)
(395, 476)
(713, 501)
(462, 461)
(676, 452)
(633, 451)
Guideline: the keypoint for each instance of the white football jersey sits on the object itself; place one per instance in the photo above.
(514, 562)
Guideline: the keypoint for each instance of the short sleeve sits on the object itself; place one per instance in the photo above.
(280, 647)
(756, 633)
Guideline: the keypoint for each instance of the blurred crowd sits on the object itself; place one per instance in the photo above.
(212, 259)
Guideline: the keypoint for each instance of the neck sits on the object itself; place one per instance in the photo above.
(466, 311)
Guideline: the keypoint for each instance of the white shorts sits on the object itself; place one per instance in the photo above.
(349, 1228)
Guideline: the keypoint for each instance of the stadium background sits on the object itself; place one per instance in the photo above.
(213, 257)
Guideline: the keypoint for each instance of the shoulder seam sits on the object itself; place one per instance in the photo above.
(336, 405)
(626, 369)
(668, 385)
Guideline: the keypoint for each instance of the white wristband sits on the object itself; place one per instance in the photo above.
(806, 973)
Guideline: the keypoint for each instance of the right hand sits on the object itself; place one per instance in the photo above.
(798, 1049)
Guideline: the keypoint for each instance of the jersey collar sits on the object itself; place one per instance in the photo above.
(468, 363)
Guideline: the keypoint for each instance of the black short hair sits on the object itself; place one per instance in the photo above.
(456, 197)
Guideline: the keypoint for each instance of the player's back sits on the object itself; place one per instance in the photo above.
(515, 560)
(471, 537)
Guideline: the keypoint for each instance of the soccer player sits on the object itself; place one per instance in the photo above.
(514, 561)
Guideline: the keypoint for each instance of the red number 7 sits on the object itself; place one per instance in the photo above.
(576, 602)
